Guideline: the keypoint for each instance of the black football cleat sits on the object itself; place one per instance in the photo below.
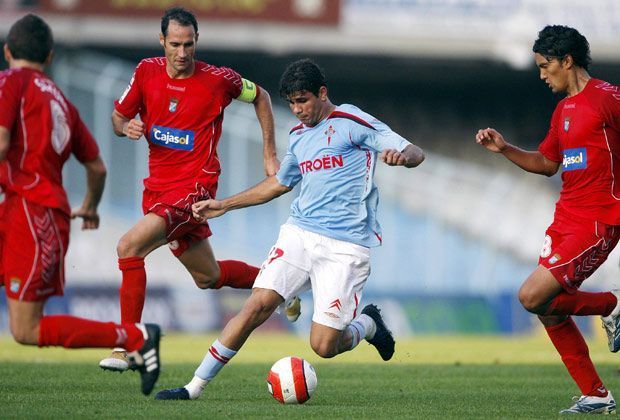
(173, 394)
(146, 360)
(383, 339)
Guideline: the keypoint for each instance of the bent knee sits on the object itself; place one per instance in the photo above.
(324, 349)
(257, 307)
(530, 300)
(204, 281)
(24, 335)
(125, 247)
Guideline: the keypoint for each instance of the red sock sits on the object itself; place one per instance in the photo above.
(236, 274)
(582, 303)
(573, 350)
(73, 332)
(133, 288)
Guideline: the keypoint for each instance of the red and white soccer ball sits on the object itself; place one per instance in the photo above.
(291, 380)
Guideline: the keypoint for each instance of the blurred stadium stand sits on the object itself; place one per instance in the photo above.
(461, 232)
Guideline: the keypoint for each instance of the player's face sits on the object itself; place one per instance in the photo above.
(553, 72)
(309, 108)
(179, 47)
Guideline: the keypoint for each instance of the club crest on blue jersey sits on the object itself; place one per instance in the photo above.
(566, 124)
(329, 133)
(172, 107)
(172, 138)
(575, 159)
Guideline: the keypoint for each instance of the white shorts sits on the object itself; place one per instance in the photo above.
(335, 270)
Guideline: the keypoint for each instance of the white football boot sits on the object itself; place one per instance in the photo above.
(116, 362)
(592, 405)
(611, 324)
(292, 308)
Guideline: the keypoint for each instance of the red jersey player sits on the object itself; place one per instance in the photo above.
(583, 138)
(39, 130)
(181, 103)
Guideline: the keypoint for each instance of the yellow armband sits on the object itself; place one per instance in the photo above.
(249, 91)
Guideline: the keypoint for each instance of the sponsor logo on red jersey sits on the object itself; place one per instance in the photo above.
(318, 164)
(172, 138)
(575, 159)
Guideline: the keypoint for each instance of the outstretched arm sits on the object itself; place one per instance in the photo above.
(410, 157)
(95, 180)
(123, 126)
(264, 114)
(534, 162)
(261, 193)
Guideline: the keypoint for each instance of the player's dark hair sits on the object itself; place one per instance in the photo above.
(302, 75)
(30, 38)
(180, 15)
(557, 41)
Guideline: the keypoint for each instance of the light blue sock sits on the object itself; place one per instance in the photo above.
(357, 333)
(362, 327)
(215, 359)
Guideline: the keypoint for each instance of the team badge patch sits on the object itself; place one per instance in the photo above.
(575, 159)
(555, 258)
(329, 133)
(172, 107)
(566, 124)
(15, 283)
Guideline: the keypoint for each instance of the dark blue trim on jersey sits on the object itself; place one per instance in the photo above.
(297, 127)
(340, 114)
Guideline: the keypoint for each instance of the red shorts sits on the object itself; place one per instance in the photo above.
(575, 248)
(33, 257)
(175, 207)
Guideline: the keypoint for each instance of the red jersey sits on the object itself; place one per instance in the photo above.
(585, 137)
(182, 118)
(45, 130)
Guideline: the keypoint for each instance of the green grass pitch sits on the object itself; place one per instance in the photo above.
(429, 377)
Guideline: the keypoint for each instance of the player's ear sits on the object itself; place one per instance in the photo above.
(196, 39)
(7, 53)
(49, 59)
(323, 93)
(568, 61)
(162, 40)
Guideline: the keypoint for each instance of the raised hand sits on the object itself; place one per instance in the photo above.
(491, 139)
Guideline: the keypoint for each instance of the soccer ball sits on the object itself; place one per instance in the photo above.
(291, 380)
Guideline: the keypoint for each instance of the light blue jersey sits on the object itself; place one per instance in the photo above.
(335, 161)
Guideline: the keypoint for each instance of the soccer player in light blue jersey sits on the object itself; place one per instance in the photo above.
(325, 244)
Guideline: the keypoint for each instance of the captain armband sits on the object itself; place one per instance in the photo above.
(249, 91)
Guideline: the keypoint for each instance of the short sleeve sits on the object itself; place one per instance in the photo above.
(378, 137)
(550, 146)
(83, 144)
(611, 111)
(130, 102)
(9, 100)
(233, 84)
(289, 174)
